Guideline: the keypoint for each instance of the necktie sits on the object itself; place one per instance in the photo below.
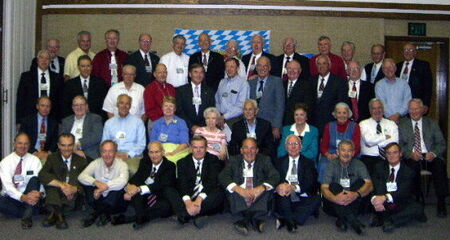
(85, 88)
(18, 171)
(405, 71)
(43, 82)
(291, 84)
(43, 133)
(285, 76)
(148, 66)
(261, 86)
(392, 176)
(417, 140)
(151, 199)
(197, 95)
(198, 181)
(248, 184)
(153, 173)
(373, 74)
(294, 197)
(66, 161)
(381, 150)
(321, 87)
(355, 103)
(52, 65)
(113, 68)
(251, 67)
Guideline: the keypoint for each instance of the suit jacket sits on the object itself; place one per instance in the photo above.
(61, 62)
(368, 69)
(306, 173)
(432, 137)
(142, 77)
(186, 173)
(277, 68)
(185, 108)
(215, 71)
(271, 104)
(96, 94)
(29, 125)
(263, 172)
(165, 176)
(366, 92)
(335, 91)
(246, 59)
(28, 93)
(404, 179)
(92, 133)
(55, 169)
(263, 132)
(420, 80)
(302, 92)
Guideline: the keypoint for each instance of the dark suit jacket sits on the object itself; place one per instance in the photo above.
(96, 94)
(186, 173)
(405, 182)
(28, 93)
(216, 68)
(366, 92)
(61, 62)
(165, 176)
(263, 132)
(55, 169)
(29, 125)
(420, 80)
(306, 173)
(368, 69)
(335, 91)
(302, 92)
(277, 68)
(92, 133)
(185, 108)
(246, 59)
(142, 77)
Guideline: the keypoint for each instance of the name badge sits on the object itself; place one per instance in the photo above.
(44, 87)
(42, 136)
(404, 76)
(345, 182)
(18, 179)
(251, 135)
(259, 94)
(391, 186)
(78, 131)
(149, 181)
(148, 69)
(163, 137)
(180, 70)
(293, 179)
(67, 179)
(121, 135)
(338, 141)
(113, 66)
(248, 173)
(352, 94)
(196, 101)
(105, 179)
(224, 94)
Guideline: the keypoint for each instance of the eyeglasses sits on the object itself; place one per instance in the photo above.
(293, 143)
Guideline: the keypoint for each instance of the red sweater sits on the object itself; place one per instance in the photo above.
(153, 98)
(100, 65)
(337, 66)
(356, 139)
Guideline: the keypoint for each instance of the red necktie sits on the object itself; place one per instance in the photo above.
(250, 66)
(285, 76)
(355, 104)
(43, 130)
(417, 141)
(18, 171)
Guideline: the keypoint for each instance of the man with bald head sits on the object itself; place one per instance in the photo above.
(250, 60)
(144, 60)
(337, 66)
(359, 91)
(56, 61)
(289, 54)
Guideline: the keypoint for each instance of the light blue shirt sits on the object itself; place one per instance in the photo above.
(395, 96)
(231, 95)
(127, 132)
(37, 146)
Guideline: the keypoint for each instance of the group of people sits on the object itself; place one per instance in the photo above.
(137, 137)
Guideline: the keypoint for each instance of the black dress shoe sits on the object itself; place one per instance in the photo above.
(88, 221)
(388, 226)
(291, 226)
(341, 225)
(279, 223)
(441, 210)
(61, 222)
(241, 227)
(356, 227)
(182, 219)
(140, 222)
(422, 218)
(102, 220)
(377, 221)
(258, 225)
(26, 223)
(200, 221)
(316, 213)
(50, 220)
(117, 220)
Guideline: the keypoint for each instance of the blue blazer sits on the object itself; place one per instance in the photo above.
(310, 143)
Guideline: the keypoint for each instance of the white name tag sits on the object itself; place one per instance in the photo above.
(105, 179)
(148, 69)
(149, 181)
(113, 66)
(251, 135)
(259, 94)
(352, 94)
(345, 182)
(18, 179)
(163, 137)
(293, 179)
(391, 186)
(42, 136)
(248, 173)
(180, 70)
(196, 101)
(121, 135)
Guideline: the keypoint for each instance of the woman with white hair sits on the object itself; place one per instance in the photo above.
(216, 138)
(334, 132)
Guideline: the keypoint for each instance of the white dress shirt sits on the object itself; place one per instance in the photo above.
(136, 92)
(370, 140)
(177, 68)
(144, 188)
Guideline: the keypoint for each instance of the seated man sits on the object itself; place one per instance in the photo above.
(60, 179)
(249, 179)
(199, 193)
(20, 185)
(146, 189)
(296, 197)
(346, 181)
(393, 183)
(104, 180)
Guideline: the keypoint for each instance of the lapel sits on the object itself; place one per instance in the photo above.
(300, 168)
(210, 58)
(284, 167)
(86, 122)
(34, 82)
(49, 130)
(412, 74)
(34, 123)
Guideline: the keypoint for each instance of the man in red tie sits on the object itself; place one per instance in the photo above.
(360, 92)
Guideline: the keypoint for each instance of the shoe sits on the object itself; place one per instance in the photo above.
(422, 218)
(291, 226)
(26, 223)
(117, 220)
(377, 221)
(341, 225)
(50, 220)
(103, 220)
(279, 223)
(258, 225)
(441, 209)
(241, 227)
(182, 219)
(356, 227)
(88, 221)
(140, 223)
(316, 213)
(61, 222)
(388, 226)
(200, 221)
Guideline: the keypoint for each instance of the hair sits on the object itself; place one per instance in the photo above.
(80, 97)
(130, 67)
(143, 34)
(157, 143)
(258, 35)
(196, 65)
(199, 138)
(250, 139)
(417, 100)
(295, 41)
(113, 31)
(374, 100)
(252, 101)
(349, 43)
(42, 51)
(211, 110)
(66, 135)
(323, 37)
(83, 57)
(43, 97)
(232, 59)
(346, 142)
(323, 56)
(81, 33)
(342, 104)
(292, 135)
(124, 95)
(176, 37)
(387, 147)
(20, 134)
(232, 41)
(204, 33)
(378, 45)
(389, 60)
(169, 99)
(108, 141)
(264, 58)
(302, 106)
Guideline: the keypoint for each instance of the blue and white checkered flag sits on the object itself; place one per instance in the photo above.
(219, 39)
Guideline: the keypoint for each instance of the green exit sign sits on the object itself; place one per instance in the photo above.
(417, 29)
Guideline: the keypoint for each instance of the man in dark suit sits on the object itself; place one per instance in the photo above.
(251, 59)
(280, 66)
(251, 126)
(296, 197)
(147, 188)
(360, 92)
(424, 146)
(56, 62)
(249, 180)
(36, 83)
(212, 62)
(42, 129)
(373, 70)
(393, 184)
(193, 98)
(199, 193)
(59, 175)
(328, 90)
(417, 73)
(91, 87)
(144, 60)
(297, 90)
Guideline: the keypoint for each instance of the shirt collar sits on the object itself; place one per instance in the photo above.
(144, 53)
(291, 57)
(294, 129)
(396, 168)
(157, 166)
(197, 161)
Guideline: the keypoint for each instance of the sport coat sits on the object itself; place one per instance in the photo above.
(263, 133)
(306, 173)
(61, 62)
(55, 169)
(302, 92)
(29, 125)
(420, 80)
(215, 71)
(366, 93)
(246, 59)
(277, 68)
(142, 77)
(368, 69)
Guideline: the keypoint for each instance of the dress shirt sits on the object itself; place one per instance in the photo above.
(136, 92)
(410, 63)
(325, 81)
(389, 198)
(153, 98)
(116, 176)
(395, 96)
(302, 134)
(246, 168)
(30, 164)
(288, 174)
(55, 64)
(350, 87)
(201, 194)
(370, 140)
(289, 83)
(127, 132)
(423, 147)
(284, 70)
(177, 131)
(144, 188)
(251, 128)
(231, 95)
(148, 57)
(77, 128)
(71, 63)
(207, 59)
(47, 80)
(68, 162)
(377, 67)
(177, 68)
(40, 118)
(87, 84)
(257, 56)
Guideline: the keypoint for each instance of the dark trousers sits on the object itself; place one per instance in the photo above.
(349, 212)
(402, 213)
(12, 207)
(257, 210)
(370, 162)
(439, 175)
(111, 204)
(297, 211)
(160, 209)
(212, 204)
